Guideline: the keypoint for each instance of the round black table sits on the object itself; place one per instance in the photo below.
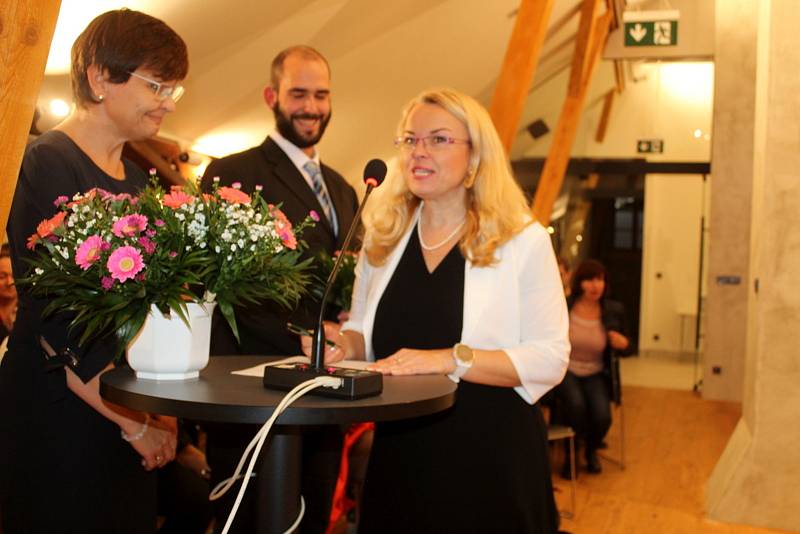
(219, 396)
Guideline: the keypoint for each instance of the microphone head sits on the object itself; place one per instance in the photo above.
(374, 172)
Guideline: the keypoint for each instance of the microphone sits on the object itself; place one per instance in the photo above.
(374, 173)
(356, 384)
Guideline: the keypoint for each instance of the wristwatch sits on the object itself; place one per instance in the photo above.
(464, 357)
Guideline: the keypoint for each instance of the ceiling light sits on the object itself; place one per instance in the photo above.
(59, 108)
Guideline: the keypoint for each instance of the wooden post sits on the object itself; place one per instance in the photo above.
(519, 68)
(26, 29)
(584, 62)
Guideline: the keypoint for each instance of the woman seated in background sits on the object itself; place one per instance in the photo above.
(456, 279)
(69, 460)
(596, 327)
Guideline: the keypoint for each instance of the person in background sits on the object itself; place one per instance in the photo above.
(456, 279)
(69, 460)
(8, 294)
(288, 168)
(597, 327)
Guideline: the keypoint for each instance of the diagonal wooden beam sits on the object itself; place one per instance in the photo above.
(558, 158)
(583, 43)
(602, 126)
(26, 29)
(519, 67)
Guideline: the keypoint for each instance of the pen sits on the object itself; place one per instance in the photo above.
(300, 331)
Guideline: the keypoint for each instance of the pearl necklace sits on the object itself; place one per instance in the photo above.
(428, 247)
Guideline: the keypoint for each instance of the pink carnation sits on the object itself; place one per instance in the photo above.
(314, 215)
(177, 197)
(89, 252)
(159, 223)
(148, 246)
(125, 263)
(129, 225)
(107, 282)
(60, 200)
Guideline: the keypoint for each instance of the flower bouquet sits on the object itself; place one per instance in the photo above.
(342, 290)
(107, 259)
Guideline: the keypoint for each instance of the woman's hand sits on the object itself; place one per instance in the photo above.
(617, 340)
(193, 458)
(416, 362)
(157, 445)
(334, 353)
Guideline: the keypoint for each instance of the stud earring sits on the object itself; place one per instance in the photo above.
(100, 98)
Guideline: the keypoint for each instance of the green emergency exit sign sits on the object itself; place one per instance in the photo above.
(651, 28)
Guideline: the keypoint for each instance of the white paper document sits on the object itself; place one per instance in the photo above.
(258, 370)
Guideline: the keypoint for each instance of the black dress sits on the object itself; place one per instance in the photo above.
(63, 466)
(481, 466)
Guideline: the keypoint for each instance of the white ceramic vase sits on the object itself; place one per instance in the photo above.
(165, 349)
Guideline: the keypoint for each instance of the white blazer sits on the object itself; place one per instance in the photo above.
(516, 305)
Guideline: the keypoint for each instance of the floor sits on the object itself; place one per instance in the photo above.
(680, 371)
(673, 439)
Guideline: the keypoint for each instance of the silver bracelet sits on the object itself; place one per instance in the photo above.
(139, 435)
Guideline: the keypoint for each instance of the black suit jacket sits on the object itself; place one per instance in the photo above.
(262, 328)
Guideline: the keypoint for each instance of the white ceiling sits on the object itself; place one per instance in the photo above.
(381, 53)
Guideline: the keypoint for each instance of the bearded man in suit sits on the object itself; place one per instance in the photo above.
(288, 169)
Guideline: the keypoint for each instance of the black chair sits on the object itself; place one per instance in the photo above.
(616, 403)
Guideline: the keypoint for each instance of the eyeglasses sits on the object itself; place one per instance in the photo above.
(161, 90)
(432, 143)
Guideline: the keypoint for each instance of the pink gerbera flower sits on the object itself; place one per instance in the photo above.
(233, 196)
(129, 225)
(284, 228)
(89, 252)
(177, 197)
(125, 263)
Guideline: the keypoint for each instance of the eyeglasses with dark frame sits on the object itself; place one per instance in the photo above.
(430, 142)
(161, 90)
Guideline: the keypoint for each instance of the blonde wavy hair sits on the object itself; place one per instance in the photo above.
(496, 207)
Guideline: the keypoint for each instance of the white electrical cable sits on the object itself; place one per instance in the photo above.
(258, 441)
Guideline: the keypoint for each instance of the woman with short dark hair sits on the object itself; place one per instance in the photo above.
(70, 461)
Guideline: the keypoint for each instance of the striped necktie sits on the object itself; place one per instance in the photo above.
(315, 173)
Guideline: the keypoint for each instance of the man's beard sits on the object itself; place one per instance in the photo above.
(286, 127)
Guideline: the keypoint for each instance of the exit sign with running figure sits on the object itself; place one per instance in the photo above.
(651, 28)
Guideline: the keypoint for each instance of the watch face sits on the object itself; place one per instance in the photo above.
(464, 354)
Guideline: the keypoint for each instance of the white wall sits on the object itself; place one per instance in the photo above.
(671, 101)
(668, 101)
(673, 207)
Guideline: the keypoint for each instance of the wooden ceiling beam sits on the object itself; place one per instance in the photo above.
(583, 43)
(602, 126)
(26, 29)
(519, 68)
(564, 135)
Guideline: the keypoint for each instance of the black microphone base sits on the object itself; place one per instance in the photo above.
(356, 384)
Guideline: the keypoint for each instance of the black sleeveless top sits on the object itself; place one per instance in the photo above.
(479, 467)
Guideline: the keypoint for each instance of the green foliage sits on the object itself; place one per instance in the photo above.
(342, 290)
